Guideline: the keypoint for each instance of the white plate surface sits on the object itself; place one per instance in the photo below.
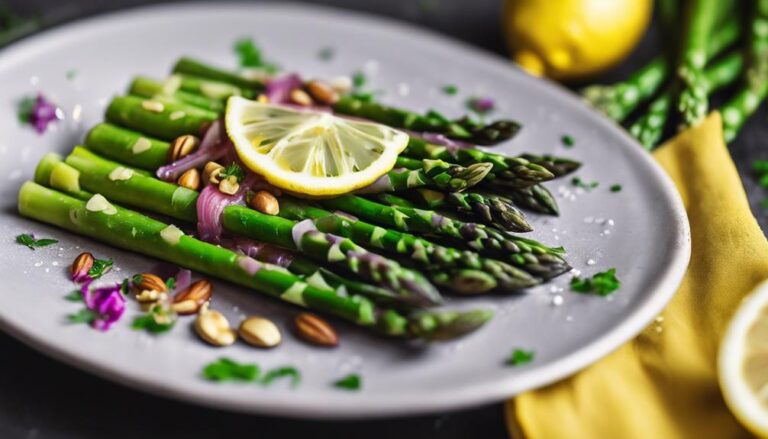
(642, 230)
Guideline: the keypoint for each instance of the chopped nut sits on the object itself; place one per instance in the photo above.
(190, 179)
(191, 300)
(315, 330)
(214, 328)
(150, 296)
(322, 92)
(181, 147)
(211, 172)
(81, 266)
(149, 288)
(229, 186)
(341, 84)
(153, 106)
(300, 97)
(265, 202)
(261, 332)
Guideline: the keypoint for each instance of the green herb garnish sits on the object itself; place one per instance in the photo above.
(156, 321)
(349, 382)
(32, 243)
(85, 315)
(358, 79)
(170, 283)
(567, 140)
(233, 170)
(520, 357)
(601, 284)
(450, 90)
(250, 56)
(578, 182)
(326, 53)
(99, 268)
(25, 108)
(74, 296)
(71, 74)
(615, 188)
(282, 372)
(225, 369)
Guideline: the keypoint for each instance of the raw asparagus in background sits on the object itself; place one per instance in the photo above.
(132, 231)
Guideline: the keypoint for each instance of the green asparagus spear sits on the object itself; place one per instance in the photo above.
(649, 128)
(169, 92)
(164, 120)
(755, 88)
(189, 66)
(132, 231)
(435, 174)
(96, 175)
(701, 16)
(536, 198)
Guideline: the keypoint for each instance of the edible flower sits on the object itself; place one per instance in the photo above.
(39, 112)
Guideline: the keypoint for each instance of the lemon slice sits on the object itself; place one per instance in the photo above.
(311, 152)
(743, 362)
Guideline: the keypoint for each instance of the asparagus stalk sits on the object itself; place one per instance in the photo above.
(164, 120)
(692, 100)
(752, 93)
(149, 88)
(649, 128)
(189, 66)
(132, 231)
(145, 192)
(435, 174)
(536, 198)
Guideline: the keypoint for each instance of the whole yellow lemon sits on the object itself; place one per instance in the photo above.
(569, 39)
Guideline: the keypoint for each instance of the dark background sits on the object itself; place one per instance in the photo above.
(41, 398)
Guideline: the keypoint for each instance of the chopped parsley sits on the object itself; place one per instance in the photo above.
(601, 284)
(358, 79)
(99, 268)
(225, 369)
(170, 283)
(233, 170)
(326, 53)
(71, 74)
(615, 188)
(450, 90)
(29, 240)
(282, 372)
(25, 108)
(85, 315)
(578, 182)
(156, 321)
(349, 382)
(250, 56)
(74, 296)
(520, 357)
(567, 140)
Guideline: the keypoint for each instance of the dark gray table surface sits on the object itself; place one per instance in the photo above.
(42, 398)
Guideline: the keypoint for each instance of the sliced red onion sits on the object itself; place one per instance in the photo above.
(382, 184)
(183, 279)
(250, 265)
(107, 303)
(43, 113)
(211, 204)
(300, 229)
(346, 215)
(214, 146)
(278, 90)
(259, 250)
(441, 139)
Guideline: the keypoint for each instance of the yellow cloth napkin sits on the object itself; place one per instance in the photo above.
(664, 384)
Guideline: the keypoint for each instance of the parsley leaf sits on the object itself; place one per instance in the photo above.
(450, 90)
(233, 170)
(100, 267)
(326, 53)
(225, 369)
(85, 315)
(25, 108)
(32, 243)
(567, 140)
(601, 284)
(156, 321)
(349, 382)
(358, 79)
(616, 188)
(250, 56)
(170, 283)
(71, 74)
(281, 372)
(520, 357)
(578, 182)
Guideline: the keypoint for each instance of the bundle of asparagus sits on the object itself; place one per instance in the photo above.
(685, 79)
(353, 256)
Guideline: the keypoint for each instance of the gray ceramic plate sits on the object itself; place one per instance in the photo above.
(642, 230)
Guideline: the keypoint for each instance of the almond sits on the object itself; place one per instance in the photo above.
(265, 202)
(322, 92)
(300, 97)
(149, 282)
(81, 266)
(260, 332)
(190, 300)
(315, 330)
(182, 146)
(190, 179)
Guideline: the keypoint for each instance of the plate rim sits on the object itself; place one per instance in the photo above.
(663, 288)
